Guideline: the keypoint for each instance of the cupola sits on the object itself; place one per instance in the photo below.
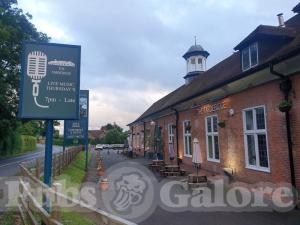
(195, 62)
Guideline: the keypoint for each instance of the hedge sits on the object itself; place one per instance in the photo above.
(28, 143)
(58, 141)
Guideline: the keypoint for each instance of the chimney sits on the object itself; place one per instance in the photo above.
(281, 20)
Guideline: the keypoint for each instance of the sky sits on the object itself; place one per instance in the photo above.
(132, 49)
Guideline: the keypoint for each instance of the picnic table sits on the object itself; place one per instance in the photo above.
(170, 170)
(156, 165)
(197, 180)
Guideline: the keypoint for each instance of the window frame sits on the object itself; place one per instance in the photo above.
(171, 135)
(213, 134)
(186, 135)
(255, 132)
(248, 48)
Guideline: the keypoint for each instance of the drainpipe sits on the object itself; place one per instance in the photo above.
(286, 87)
(132, 138)
(144, 139)
(177, 143)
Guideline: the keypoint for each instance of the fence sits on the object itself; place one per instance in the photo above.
(59, 162)
(32, 192)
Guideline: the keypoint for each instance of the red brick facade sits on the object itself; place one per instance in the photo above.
(231, 137)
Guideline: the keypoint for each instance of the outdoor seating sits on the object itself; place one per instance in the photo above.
(170, 171)
(156, 165)
(196, 180)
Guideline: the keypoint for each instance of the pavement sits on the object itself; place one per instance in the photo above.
(9, 166)
(163, 217)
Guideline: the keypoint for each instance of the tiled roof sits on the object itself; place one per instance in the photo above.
(227, 70)
(263, 30)
(296, 9)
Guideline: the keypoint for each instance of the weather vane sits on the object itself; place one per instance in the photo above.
(195, 40)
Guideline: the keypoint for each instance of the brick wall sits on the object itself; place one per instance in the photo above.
(231, 138)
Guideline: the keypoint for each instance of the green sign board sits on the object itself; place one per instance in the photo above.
(50, 81)
(78, 129)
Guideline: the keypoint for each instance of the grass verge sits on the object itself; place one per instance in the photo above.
(72, 177)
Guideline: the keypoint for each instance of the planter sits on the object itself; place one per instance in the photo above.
(104, 184)
(100, 172)
(285, 106)
(222, 124)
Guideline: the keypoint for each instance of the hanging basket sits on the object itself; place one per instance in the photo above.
(285, 106)
(222, 124)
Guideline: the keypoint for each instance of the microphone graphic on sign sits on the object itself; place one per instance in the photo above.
(36, 70)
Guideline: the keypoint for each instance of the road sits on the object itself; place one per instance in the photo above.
(9, 166)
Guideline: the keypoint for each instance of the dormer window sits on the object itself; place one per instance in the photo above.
(249, 57)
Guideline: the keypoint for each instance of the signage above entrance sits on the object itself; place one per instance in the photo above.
(213, 107)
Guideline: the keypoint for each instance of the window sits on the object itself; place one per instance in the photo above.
(193, 61)
(212, 139)
(199, 61)
(249, 57)
(142, 139)
(255, 139)
(171, 133)
(137, 140)
(187, 138)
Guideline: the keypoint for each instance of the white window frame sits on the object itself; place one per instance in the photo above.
(186, 135)
(137, 140)
(255, 132)
(213, 134)
(249, 57)
(142, 139)
(171, 135)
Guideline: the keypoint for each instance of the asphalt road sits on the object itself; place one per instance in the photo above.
(9, 166)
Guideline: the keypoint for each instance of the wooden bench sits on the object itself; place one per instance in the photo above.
(171, 174)
(196, 181)
(182, 172)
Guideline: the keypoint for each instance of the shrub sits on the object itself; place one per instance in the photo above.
(58, 141)
(11, 144)
(28, 143)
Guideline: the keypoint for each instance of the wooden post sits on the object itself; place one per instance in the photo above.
(38, 168)
(56, 209)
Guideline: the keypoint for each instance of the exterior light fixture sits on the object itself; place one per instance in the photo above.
(231, 112)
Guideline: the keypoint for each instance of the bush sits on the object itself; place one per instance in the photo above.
(58, 141)
(28, 143)
(11, 144)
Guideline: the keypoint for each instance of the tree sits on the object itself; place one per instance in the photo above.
(15, 27)
(114, 136)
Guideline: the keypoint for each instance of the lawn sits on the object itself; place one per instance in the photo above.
(73, 176)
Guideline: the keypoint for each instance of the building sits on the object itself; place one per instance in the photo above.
(97, 135)
(233, 109)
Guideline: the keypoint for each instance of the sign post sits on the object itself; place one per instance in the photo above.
(78, 129)
(50, 84)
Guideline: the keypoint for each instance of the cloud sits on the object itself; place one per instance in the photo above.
(120, 106)
(132, 50)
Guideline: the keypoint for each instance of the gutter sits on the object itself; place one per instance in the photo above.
(177, 138)
(286, 87)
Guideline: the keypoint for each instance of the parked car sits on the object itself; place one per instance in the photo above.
(99, 147)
